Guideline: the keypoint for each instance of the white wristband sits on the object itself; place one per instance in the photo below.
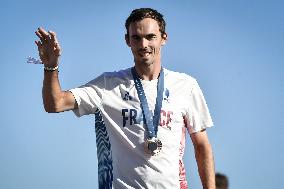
(50, 68)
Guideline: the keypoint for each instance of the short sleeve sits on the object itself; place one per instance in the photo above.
(89, 96)
(197, 115)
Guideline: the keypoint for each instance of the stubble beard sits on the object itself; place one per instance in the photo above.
(144, 62)
(148, 63)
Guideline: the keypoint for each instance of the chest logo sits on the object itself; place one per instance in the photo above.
(127, 96)
(166, 95)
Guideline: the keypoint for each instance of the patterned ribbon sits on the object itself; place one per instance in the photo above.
(152, 122)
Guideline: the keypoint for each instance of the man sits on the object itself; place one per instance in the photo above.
(142, 113)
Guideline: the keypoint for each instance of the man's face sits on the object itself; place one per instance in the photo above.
(145, 41)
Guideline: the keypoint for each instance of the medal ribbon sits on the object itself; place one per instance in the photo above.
(152, 122)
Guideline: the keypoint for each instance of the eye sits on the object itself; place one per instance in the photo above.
(135, 37)
(151, 37)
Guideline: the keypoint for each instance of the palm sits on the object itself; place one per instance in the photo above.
(48, 47)
(49, 53)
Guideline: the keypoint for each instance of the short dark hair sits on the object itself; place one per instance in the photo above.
(221, 180)
(140, 14)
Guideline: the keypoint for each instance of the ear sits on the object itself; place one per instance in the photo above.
(127, 39)
(164, 38)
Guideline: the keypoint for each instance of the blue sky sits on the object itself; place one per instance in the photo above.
(233, 48)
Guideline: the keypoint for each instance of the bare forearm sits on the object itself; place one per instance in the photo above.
(51, 91)
(205, 163)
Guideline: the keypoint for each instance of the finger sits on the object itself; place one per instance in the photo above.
(39, 35)
(38, 43)
(57, 47)
(39, 47)
(42, 39)
(44, 34)
(53, 37)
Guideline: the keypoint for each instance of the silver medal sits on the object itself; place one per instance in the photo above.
(153, 146)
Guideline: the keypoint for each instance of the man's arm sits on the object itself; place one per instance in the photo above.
(54, 99)
(204, 159)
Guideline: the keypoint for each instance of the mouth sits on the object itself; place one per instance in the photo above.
(145, 54)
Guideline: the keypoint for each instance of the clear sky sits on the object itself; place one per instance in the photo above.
(235, 49)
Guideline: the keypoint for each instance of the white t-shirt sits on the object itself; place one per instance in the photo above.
(121, 132)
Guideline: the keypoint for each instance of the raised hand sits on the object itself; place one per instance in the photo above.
(48, 47)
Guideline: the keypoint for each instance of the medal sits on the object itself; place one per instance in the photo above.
(153, 146)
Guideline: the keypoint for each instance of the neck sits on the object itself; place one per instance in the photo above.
(148, 73)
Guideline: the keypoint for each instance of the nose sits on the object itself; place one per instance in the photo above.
(144, 43)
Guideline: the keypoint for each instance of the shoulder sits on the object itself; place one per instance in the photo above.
(116, 78)
(125, 73)
(180, 77)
